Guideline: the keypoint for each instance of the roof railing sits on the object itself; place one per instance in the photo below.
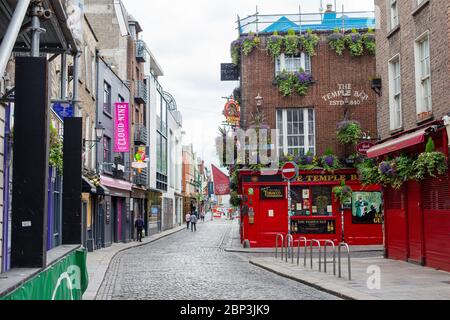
(299, 22)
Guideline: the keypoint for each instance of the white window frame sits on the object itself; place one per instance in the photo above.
(394, 15)
(280, 63)
(306, 130)
(423, 79)
(395, 93)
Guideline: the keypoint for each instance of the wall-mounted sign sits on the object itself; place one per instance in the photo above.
(363, 147)
(229, 72)
(314, 226)
(367, 208)
(122, 128)
(327, 177)
(63, 110)
(232, 112)
(272, 193)
(345, 95)
(140, 158)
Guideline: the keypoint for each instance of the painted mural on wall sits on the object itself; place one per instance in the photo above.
(367, 208)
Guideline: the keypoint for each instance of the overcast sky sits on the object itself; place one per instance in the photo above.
(190, 39)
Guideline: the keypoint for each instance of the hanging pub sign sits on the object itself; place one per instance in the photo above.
(272, 193)
(140, 158)
(367, 208)
(122, 128)
(229, 72)
(63, 110)
(364, 147)
(345, 95)
(232, 112)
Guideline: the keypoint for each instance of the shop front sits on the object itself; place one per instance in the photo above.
(117, 210)
(315, 211)
(417, 215)
(139, 208)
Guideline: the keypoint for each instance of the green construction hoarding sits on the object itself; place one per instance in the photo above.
(65, 280)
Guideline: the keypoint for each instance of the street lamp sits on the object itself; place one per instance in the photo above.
(259, 101)
(99, 131)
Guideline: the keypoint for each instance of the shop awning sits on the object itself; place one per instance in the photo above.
(408, 140)
(102, 191)
(88, 187)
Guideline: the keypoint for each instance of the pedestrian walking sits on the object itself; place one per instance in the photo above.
(188, 219)
(202, 217)
(194, 220)
(139, 225)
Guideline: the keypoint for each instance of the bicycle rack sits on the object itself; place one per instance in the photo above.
(320, 253)
(289, 243)
(334, 255)
(343, 244)
(300, 241)
(276, 246)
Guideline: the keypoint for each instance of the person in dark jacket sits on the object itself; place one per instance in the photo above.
(139, 225)
(194, 220)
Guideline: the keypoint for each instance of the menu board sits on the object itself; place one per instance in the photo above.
(314, 227)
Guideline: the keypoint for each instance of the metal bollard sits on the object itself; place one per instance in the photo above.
(349, 260)
(300, 240)
(334, 256)
(320, 253)
(289, 242)
(276, 246)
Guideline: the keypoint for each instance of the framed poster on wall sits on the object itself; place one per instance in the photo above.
(367, 208)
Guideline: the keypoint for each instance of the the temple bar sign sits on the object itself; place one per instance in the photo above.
(326, 177)
(229, 72)
(346, 95)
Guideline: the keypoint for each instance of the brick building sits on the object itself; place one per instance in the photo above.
(306, 114)
(413, 61)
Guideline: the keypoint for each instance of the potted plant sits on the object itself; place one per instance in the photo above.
(369, 41)
(343, 193)
(275, 45)
(355, 43)
(236, 51)
(430, 163)
(337, 41)
(349, 132)
(308, 162)
(329, 161)
(368, 172)
(309, 42)
(291, 43)
(249, 43)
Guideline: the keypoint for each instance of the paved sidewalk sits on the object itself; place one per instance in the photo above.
(98, 261)
(399, 280)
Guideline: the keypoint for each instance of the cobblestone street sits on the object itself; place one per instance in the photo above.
(195, 266)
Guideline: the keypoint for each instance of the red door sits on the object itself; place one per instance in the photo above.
(396, 224)
(415, 222)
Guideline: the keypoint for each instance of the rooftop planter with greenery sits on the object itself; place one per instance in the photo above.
(355, 42)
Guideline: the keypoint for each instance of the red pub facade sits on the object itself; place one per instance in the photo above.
(317, 214)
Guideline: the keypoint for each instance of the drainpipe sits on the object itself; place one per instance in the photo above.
(447, 125)
(76, 61)
(12, 33)
(6, 189)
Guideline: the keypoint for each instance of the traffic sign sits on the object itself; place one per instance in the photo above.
(289, 171)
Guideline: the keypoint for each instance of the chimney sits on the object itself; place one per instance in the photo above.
(329, 8)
